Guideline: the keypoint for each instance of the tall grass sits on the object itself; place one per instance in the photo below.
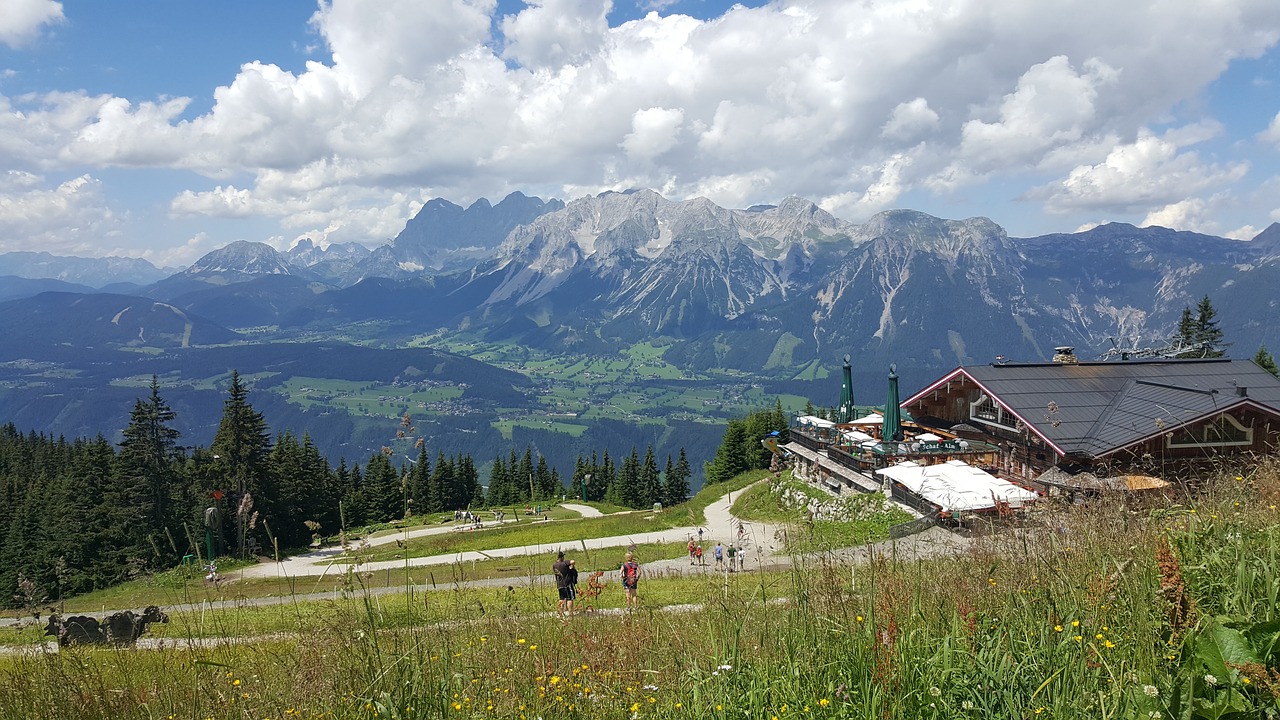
(1093, 612)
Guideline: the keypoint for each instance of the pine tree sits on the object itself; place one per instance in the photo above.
(1266, 361)
(148, 476)
(676, 488)
(729, 459)
(241, 446)
(1207, 333)
(650, 480)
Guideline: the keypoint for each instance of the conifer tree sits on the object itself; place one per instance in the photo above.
(650, 480)
(729, 459)
(676, 488)
(241, 447)
(148, 477)
(1266, 361)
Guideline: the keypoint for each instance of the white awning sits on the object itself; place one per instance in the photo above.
(927, 437)
(856, 436)
(872, 419)
(956, 485)
(815, 421)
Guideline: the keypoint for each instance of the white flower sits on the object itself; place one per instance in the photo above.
(725, 667)
(1150, 690)
(966, 705)
(650, 687)
(935, 692)
(1210, 680)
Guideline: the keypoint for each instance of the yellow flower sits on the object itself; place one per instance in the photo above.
(1075, 623)
(1057, 628)
(1078, 638)
(824, 702)
(859, 618)
(719, 707)
(236, 682)
(1098, 636)
(521, 641)
(1108, 644)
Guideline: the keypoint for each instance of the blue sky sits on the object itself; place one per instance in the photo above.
(165, 129)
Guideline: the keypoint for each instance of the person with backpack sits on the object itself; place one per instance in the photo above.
(698, 553)
(719, 554)
(631, 580)
(732, 552)
(561, 570)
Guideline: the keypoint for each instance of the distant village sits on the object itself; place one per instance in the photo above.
(988, 441)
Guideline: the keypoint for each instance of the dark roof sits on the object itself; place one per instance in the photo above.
(1103, 406)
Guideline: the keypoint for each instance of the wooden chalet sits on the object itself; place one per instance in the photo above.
(1107, 422)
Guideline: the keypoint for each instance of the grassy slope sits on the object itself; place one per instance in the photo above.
(1112, 613)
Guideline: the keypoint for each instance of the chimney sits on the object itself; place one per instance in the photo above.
(1065, 355)
(1242, 391)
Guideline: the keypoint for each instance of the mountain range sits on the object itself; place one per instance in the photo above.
(769, 294)
(764, 290)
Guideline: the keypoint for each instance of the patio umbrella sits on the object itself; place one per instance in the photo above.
(844, 412)
(892, 427)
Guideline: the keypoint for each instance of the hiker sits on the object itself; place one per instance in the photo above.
(560, 569)
(699, 536)
(731, 553)
(573, 583)
(719, 554)
(691, 549)
(742, 559)
(698, 552)
(630, 572)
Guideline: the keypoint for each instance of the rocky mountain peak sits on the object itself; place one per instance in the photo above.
(241, 258)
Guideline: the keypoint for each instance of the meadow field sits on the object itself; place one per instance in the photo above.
(1096, 611)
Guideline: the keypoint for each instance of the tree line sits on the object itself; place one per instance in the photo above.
(85, 514)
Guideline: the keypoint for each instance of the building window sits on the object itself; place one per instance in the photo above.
(987, 412)
(1222, 431)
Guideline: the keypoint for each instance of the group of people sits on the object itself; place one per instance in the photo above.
(566, 576)
(730, 558)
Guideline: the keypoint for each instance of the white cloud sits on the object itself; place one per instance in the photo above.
(1272, 133)
(1150, 174)
(551, 33)
(418, 99)
(21, 20)
(909, 120)
(653, 132)
(70, 218)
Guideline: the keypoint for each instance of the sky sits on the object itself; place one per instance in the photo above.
(164, 129)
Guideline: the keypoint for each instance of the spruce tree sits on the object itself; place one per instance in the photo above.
(1266, 361)
(241, 447)
(1207, 333)
(650, 480)
(676, 488)
(729, 459)
(148, 478)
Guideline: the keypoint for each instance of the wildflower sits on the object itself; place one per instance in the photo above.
(1245, 680)
(521, 641)
(533, 647)
(719, 708)
(1078, 638)
(651, 687)
(236, 682)
(1210, 680)
(1108, 644)
(1098, 636)
(1150, 690)
(1273, 507)
(824, 702)
(966, 705)
(1075, 623)
(992, 581)
(725, 667)
(934, 691)
(1039, 710)
(1057, 628)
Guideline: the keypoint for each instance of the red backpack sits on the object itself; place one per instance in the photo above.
(630, 572)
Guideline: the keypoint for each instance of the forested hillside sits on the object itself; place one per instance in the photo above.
(84, 514)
